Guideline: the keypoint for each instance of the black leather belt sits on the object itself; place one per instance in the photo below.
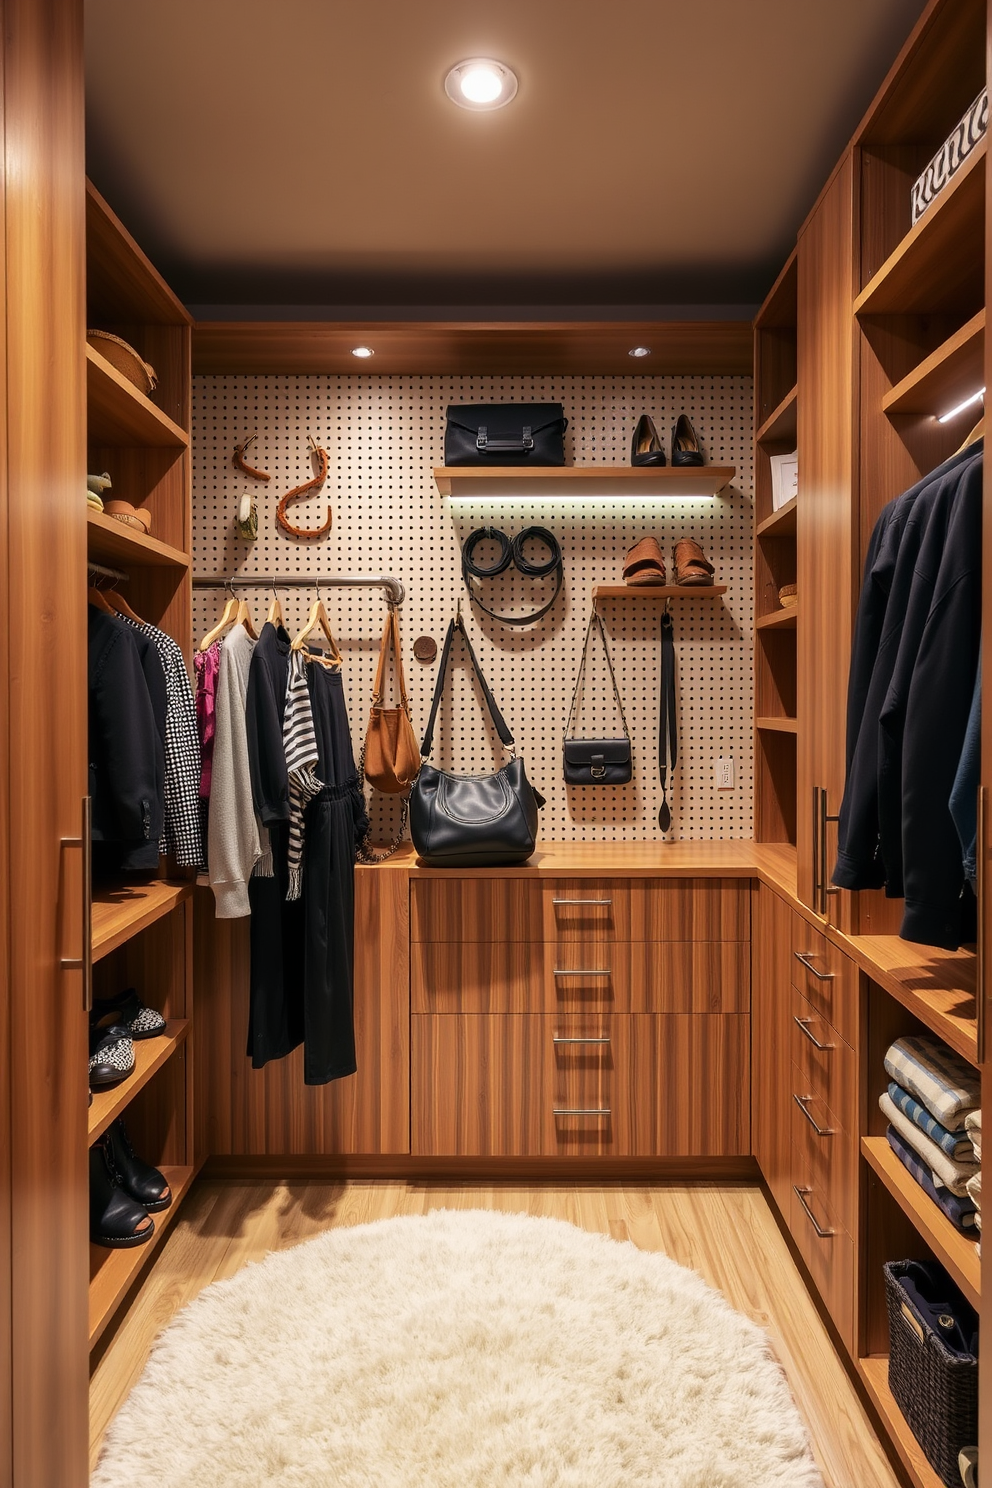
(513, 552)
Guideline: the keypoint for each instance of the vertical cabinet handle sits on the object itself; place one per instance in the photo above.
(84, 962)
(821, 885)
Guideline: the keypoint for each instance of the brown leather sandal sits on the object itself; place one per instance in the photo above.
(691, 564)
(644, 564)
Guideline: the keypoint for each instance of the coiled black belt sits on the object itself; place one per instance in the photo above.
(513, 552)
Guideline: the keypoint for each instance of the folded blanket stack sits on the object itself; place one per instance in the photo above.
(932, 1107)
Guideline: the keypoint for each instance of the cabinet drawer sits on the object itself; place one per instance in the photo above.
(827, 1066)
(531, 1085)
(828, 1152)
(544, 976)
(593, 910)
(825, 1246)
(826, 978)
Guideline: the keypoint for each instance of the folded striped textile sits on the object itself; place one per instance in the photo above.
(944, 1082)
(956, 1144)
(961, 1212)
(953, 1175)
(974, 1187)
(973, 1126)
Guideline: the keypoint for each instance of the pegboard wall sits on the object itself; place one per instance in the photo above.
(383, 436)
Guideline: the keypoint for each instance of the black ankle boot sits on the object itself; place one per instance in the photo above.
(138, 1179)
(114, 1216)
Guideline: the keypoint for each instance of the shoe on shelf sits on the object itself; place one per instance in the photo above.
(645, 447)
(111, 1055)
(644, 565)
(128, 1011)
(691, 565)
(139, 1180)
(116, 1221)
(685, 445)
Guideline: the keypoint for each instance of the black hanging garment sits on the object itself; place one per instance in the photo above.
(668, 720)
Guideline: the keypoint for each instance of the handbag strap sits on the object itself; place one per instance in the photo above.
(506, 738)
(390, 637)
(668, 725)
(513, 552)
(594, 619)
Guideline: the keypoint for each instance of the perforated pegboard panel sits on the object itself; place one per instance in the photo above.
(383, 436)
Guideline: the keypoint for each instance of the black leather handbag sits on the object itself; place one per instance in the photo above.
(505, 434)
(596, 761)
(472, 821)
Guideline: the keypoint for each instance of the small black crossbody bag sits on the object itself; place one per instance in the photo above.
(596, 761)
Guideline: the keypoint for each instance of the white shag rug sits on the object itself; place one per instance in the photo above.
(461, 1350)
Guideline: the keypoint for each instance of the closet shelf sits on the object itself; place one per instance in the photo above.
(122, 283)
(937, 986)
(113, 1272)
(954, 1250)
(777, 725)
(110, 541)
(121, 912)
(589, 481)
(780, 426)
(946, 377)
(658, 591)
(874, 1371)
(939, 262)
(118, 413)
(781, 523)
(149, 1057)
(782, 619)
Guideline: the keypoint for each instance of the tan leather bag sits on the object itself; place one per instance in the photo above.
(391, 757)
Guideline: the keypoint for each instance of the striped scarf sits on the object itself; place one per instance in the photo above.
(300, 744)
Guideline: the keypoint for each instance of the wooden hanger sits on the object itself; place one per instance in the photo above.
(243, 617)
(118, 603)
(226, 620)
(274, 617)
(95, 597)
(978, 432)
(318, 616)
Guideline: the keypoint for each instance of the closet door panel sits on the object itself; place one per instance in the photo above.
(826, 516)
(446, 911)
(771, 1041)
(683, 1087)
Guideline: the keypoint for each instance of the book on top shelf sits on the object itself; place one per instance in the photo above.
(785, 478)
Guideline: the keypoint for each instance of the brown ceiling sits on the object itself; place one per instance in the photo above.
(303, 151)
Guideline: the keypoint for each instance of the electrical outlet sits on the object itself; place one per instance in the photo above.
(724, 774)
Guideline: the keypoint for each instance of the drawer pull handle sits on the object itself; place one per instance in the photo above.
(556, 1040)
(800, 1195)
(582, 901)
(589, 971)
(821, 1131)
(581, 1111)
(821, 976)
(804, 1025)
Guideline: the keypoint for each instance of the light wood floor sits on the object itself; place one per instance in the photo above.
(725, 1232)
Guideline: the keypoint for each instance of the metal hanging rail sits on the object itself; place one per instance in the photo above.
(115, 574)
(394, 589)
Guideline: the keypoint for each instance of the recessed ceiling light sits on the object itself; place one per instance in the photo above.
(639, 351)
(362, 351)
(480, 83)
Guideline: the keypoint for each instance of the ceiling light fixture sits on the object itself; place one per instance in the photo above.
(945, 418)
(480, 83)
(639, 351)
(362, 351)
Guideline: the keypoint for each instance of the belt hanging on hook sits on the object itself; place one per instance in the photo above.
(318, 457)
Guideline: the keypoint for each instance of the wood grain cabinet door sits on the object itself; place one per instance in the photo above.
(771, 1042)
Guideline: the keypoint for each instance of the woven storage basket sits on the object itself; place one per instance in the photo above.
(787, 595)
(936, 1391)
(125, 359)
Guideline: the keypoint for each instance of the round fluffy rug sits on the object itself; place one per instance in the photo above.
(460, 1350)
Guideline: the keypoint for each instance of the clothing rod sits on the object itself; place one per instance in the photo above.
(107, 573)
(392, 585)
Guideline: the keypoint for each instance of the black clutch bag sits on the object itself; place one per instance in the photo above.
(596, 761)
(505, 434)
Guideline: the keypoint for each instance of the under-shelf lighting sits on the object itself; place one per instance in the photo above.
(945, 418)
(639, 351)
(362, 351)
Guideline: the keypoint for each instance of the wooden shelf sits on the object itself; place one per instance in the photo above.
(937, 986)
(940, 259)
(122, 283)
(777, 725)
(874, 1370)
(113, 1272)
(658, 591)
(781, 523)
(589, 481)
(149, 1057)
(946, 377)
(780, 426)
(123, 911)
(780, 306)
(110, 541)
(783, 619)
(954, 1250)
(119, 413)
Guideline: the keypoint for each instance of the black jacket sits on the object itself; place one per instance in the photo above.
(126, 745)
(265, 710)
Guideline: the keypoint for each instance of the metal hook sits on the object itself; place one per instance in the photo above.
(458, 611)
